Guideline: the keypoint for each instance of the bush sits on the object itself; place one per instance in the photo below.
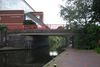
(88, 36)
(56, 43)
(29, 22)
(3, 27)
(97, 50)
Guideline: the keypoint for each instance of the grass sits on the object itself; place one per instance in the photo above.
(97, 49)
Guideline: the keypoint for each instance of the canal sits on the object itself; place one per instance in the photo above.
(43, 49)
(23, 58)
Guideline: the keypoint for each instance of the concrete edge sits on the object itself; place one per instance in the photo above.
(53, 60)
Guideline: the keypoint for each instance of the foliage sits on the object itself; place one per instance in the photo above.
(76, 11)
(96, 11)
(3, 27)
(88, 37)
(60, 28)
(97, 50)
(56, 42)
(29, 22)
(82, 15)
(3, 33)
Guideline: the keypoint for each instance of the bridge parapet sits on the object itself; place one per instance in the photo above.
(43, 31)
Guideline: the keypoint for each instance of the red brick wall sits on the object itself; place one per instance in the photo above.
(30, 27)
(13, 19)
(12, 16)
(15, 27)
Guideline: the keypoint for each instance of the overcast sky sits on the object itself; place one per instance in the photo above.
(51, 8)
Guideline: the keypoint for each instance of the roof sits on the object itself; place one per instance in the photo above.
(11, 11)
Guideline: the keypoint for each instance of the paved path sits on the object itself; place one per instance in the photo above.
(76, 58)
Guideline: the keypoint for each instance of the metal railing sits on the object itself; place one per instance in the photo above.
(54, 28)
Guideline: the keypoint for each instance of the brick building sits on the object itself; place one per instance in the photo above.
(12, 18)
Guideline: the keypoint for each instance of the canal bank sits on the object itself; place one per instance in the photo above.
(75, 58)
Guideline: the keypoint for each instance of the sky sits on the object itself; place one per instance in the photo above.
(50, 8)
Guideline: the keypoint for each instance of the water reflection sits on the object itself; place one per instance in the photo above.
(35, 55)
(53, 53)
(23, 58)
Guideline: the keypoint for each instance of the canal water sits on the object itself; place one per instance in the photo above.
(23, 58)
(36, 53)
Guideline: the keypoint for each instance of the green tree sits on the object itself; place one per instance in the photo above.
(89, 36)
(96, 11)
(3, 33)
(81, 16)
(29, 22)
(56, 42)
(76, 12)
